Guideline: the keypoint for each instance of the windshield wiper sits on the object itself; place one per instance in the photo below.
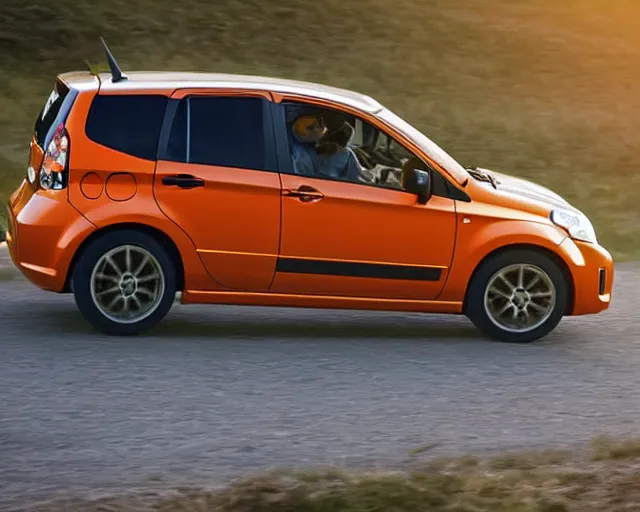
(482, 176)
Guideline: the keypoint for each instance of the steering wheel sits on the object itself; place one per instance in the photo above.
(363, 157)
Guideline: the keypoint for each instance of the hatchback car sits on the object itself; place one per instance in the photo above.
(258, 191)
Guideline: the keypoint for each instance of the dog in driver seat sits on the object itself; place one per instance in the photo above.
(307, 131)
(335, 157)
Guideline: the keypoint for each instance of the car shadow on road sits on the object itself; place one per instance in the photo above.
(340, 329)
(64, 320)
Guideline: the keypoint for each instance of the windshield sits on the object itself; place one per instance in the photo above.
(440, 156)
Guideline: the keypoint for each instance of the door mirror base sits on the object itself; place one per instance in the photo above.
(417, 178)
(424, 183)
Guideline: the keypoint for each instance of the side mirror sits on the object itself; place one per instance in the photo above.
(419, 182)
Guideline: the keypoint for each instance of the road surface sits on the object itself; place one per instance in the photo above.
(215, 392)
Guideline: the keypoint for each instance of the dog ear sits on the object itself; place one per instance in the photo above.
(340, 135)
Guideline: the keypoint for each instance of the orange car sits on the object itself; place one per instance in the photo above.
(258, 191)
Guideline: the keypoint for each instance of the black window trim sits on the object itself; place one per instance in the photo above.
(270, 158)
(281, 140)
(286, 164)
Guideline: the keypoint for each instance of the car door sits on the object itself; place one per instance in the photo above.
(356, 240)
(217, 179)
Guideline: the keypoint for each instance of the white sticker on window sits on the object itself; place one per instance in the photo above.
(50, 101)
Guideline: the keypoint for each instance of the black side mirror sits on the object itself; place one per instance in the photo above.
(419, 182)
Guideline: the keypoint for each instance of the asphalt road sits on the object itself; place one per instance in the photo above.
(218, 391)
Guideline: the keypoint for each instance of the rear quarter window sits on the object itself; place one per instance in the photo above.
(128, 123)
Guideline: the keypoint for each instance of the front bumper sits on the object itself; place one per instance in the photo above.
(592, 270)
(44, 233)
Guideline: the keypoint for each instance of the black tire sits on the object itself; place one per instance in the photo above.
(92, 254)
(475, 299)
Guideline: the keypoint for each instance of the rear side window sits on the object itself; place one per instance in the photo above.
(127, 123)
(54, 111)
(221, 131)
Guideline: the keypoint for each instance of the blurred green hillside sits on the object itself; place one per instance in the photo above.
(542, 89)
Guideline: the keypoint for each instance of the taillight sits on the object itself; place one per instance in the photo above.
(54, 170)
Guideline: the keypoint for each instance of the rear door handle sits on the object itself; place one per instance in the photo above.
(304, 193)
(182, 181)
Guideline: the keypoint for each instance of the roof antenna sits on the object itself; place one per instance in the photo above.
(116, 72)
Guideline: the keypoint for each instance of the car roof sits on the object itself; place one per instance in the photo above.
(149, 80)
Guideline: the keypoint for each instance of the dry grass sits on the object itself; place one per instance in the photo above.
(7, 270)
(542, 89)
(607, 448)
(548, 481)
(7, 274)
(530, 460)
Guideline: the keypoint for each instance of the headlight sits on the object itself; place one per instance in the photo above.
(577, 225)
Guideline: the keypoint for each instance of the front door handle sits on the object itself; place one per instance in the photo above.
(182, 181)
(304, 193)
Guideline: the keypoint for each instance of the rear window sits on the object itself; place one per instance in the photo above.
(54, 111)
(221, 131)
(127, 123)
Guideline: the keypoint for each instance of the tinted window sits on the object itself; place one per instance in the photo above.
(54, 107)
(222, 131)
(177, 145)
(127, 123)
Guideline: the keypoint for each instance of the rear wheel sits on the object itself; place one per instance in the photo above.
(124, 282)
(517, 296)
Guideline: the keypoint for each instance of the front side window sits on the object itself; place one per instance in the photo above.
(439, 155)
(221, 131)
(326, 143)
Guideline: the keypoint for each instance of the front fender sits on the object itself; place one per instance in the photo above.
(481, 237)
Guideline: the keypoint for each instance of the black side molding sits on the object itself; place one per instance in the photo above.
(357, 269)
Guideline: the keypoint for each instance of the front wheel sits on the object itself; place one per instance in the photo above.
(517, 296)
(124, 282)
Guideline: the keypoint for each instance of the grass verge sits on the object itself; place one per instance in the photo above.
(7, 269)
(7, 274)
(596, 480)
(542, 89)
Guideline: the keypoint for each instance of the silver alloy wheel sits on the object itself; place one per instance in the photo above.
(519, 298)
(127, 284)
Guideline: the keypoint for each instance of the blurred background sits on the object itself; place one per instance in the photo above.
(542, 89)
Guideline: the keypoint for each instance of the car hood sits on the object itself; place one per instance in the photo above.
(520, 187)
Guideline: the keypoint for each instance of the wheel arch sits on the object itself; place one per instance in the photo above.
(562, 265)
(160, 236)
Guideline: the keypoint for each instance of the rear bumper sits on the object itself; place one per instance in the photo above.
(45, 232)
(592, 270)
